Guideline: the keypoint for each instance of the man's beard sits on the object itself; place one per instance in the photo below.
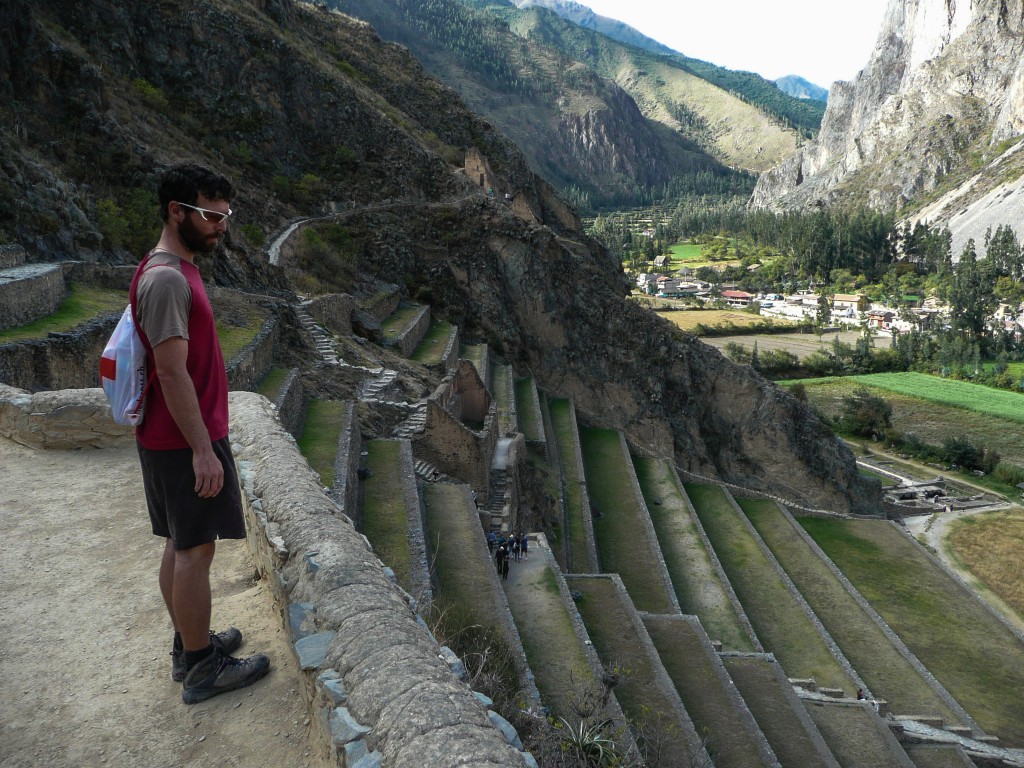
(194, 240)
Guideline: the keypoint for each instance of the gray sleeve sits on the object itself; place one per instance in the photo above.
(164, 299)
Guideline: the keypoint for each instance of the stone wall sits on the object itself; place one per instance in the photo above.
(251, 365)
(373, 671)
(383, 304)
(411, 336)
(450, 358)
(62, 420)
(419, 564)
(68, 360)
(346, 465)
(593, 564)
(472, 395)
(30, 292)
(454, 448)
(291, 403)
(118, 278)
(333, 312)
(11, 255)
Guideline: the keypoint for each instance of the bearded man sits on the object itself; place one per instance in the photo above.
(188, 470)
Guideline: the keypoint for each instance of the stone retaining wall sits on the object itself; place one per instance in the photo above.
(63, 419)
(291, 403)
(450, 358)
(383, 304)
(11, 255)
(593, 564)
(379, 686)
(534, 405)
(69, 360)
(333, 312)
(346, 465)
(413, 333)
(28, 293)
(743, 718)
(253, 362)
(419, 566)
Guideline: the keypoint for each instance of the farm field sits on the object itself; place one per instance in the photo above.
(932, 421)
(689, 319)
(989, 546)
(800, 344)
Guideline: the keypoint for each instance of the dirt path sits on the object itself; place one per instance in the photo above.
(84, 641)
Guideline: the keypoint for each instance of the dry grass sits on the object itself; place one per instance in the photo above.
(690, 318)
(990, 547)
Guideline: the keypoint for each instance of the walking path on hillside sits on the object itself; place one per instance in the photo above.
(84, 644)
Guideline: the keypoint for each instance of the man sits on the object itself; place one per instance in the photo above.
(188, 471)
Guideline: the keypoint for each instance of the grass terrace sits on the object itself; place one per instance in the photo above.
(766, 699)
(566, 437)
(464, 615)
(431, 349)
(83, 303)
(270, 387)
(619, 529)
(974, 655)
(320, 433)
(779, 620)
(707, 702)
(879, 663)
(549, 639)
(502, 392)
(384, 515)
(999, 403)
(697, 583)
(528, 409)
(397, 321)
(475, 354)
(642, 700)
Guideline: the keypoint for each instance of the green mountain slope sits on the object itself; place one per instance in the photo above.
(581, 131)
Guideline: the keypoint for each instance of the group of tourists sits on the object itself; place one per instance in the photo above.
(515, 547)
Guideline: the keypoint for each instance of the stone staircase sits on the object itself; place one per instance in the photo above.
(415, 423)
(372, 389)
(322, 340)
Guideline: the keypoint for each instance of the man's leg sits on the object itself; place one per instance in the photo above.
(190, 596)
(167, 580)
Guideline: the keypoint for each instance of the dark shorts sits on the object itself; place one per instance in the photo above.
(176, 511)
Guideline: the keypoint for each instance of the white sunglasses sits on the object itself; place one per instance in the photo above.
(215, 216)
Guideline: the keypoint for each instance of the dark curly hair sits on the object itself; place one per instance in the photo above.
(185, 182)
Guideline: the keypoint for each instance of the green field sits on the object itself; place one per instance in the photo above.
(930, 420)
(568, 460)
(319, 441)
(83, 303)
(431, 349)
(683, 252)
(384, 515)
(959, 394)
(397, 321)
(527, 409)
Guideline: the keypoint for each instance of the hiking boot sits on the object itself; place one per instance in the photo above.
(227, 641)
(219, 673)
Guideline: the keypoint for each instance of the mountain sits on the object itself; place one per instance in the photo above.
(796, 86)
(312, 114)
(586, 18)
(933, 122)
(582, 132)
(748, 86)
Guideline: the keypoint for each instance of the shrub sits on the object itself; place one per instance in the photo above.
(151, 95)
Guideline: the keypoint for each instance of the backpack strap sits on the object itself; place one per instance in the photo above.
(133, 302)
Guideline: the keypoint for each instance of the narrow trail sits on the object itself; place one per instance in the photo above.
(85, 640)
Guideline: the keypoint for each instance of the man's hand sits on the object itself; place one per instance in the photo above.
(209, 474)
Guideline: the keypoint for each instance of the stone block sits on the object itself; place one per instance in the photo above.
(345, 728)
(312, 650)
(506, 729)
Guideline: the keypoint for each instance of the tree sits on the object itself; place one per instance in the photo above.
(865, 414)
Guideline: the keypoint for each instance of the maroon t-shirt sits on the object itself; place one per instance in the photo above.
(169, 299)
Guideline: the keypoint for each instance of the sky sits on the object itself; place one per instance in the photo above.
(819, 40)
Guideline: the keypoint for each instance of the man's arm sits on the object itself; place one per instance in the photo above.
(180, 394)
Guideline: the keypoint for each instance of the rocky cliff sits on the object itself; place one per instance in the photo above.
(943, 88)
(309, 111)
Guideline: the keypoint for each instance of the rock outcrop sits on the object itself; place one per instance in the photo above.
(945, 80)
